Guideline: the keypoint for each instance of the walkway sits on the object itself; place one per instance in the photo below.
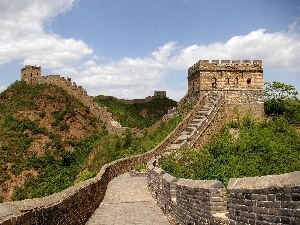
(127, 202)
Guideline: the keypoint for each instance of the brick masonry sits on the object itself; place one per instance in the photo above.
(266, 200)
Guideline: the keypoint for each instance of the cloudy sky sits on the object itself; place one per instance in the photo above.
(130, 48)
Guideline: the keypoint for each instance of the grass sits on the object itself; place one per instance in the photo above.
(63, 161)
(140, 115)
(262, 148)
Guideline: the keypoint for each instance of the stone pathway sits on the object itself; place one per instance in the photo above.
(127, 202)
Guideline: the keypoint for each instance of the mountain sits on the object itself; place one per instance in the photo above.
(48, 138)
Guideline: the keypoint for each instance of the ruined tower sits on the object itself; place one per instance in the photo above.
(29, 72)
(240, 83)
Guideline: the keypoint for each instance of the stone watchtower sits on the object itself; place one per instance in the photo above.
(29, 72)
(240, 83)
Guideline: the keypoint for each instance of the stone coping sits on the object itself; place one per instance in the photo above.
(269, 181)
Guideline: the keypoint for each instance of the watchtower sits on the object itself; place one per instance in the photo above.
(160, 94)
(29, 72)
(240, 83)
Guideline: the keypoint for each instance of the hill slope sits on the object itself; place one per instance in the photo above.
(38, 123)
(140, 115)
(49, 140)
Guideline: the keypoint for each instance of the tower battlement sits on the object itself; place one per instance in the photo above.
(224, 75)
(226, 65)
(239, 82)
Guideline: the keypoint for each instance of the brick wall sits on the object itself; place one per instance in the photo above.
(266, 200)
(187, 201)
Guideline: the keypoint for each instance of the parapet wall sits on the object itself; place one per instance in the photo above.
(272, 199)
(226, 65)
(187, 201)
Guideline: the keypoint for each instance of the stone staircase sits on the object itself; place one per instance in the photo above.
(199, 122)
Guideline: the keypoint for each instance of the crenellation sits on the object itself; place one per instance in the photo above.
(240, 82)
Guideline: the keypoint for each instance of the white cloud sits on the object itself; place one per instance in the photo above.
(279, 51)
(2, 88)
(23, 36)
(132, 77)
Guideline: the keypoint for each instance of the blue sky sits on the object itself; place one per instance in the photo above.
(130, 48)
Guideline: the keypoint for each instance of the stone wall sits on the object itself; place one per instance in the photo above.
(266, 200)
(188, 201)
(227, 75)
(240, 83)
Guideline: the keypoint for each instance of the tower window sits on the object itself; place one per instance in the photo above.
(30, 74)
(214, 82)
(227, 80)
(249, 81)
(236, 80)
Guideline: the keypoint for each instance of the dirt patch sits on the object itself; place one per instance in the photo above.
(7, 188)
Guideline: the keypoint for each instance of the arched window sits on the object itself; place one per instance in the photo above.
(214, 82)
(249, 81)
(227, 80)
(236, 80)
(30, 74)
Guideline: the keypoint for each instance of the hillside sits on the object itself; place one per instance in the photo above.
(49, 140)
(140, 115)
(247, 147)
(38, 123)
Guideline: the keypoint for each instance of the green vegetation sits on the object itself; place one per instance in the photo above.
(37, 143)
(141, 168)
(56, 157)
(281, 101)
(113, 147)
(58, 173)
(140, 115)
(64, 171)
(260, 148)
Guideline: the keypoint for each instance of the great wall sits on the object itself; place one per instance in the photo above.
(217, 90)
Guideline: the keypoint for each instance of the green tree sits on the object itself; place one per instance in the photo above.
(280, 99)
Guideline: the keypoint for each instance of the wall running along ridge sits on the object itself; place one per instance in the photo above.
(32, 75)
(266, 200)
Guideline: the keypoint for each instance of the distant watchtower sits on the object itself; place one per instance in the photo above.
(240, 83)
(160, 94)
(29, 72)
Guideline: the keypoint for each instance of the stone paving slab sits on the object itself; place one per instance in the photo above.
(127, 201)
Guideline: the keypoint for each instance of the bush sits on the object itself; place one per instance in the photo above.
(262, 148)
